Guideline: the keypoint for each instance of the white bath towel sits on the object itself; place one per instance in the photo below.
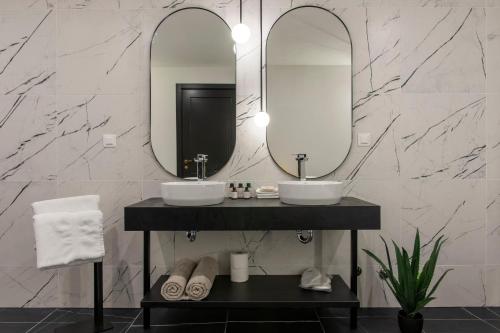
(65, 235)
(67, 205)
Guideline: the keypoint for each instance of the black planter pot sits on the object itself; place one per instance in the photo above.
(410, 325)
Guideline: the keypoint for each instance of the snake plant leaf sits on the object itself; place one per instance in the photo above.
(415, 257)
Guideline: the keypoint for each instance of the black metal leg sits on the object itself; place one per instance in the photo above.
(98, 297)
(354, 275)
(146, 316)
(98, 323)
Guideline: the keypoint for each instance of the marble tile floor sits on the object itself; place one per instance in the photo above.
(372, 320)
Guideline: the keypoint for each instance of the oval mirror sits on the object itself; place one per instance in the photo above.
(309, 97)
(193, 100)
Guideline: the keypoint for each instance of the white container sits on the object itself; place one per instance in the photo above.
(239, 267)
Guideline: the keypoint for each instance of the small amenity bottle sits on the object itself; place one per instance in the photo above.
(234, 194)
(247, 194)
(240, 190)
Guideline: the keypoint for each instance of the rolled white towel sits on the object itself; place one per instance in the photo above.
(200, 283)
(68, 238)
(174, 287)
(67, 205)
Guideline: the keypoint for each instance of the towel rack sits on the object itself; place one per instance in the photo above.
(98, 323)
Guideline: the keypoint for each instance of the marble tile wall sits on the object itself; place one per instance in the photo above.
(426, 85)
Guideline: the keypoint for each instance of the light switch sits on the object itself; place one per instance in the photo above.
(109, 140)
(364, 139)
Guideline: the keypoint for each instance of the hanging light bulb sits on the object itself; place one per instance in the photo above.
(261, 119)
(240, 32)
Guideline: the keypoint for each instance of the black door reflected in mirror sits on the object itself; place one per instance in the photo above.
(205, 124)
(193, 97)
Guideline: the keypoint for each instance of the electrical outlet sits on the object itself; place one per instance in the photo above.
(364, 139)
(109, 140)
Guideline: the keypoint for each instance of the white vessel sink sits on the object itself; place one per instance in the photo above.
(197, 193)
(310, 192)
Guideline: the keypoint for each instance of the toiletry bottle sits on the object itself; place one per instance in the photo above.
(247, 194)
(250, 189)
(240, 190)
(230, 190)
(234, 193)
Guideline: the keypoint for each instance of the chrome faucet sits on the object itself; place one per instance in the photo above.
(201, 159)
(301, 161)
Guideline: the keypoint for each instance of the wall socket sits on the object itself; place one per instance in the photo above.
(364, 139)
(109, 140)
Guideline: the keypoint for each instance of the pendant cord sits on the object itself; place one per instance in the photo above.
(241, 11)
(261, 48)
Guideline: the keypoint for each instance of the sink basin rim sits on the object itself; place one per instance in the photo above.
(311, 182)
(311, 193)
(193, 193)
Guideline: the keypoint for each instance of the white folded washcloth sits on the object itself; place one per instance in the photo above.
(313, 279)
(267, 189)
(268, 196)
(67, 205)
(65, 236)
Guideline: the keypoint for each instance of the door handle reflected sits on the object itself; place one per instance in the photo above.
(186, 164)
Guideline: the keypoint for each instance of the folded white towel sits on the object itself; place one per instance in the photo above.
(68, 238)
(313, 279)
(67, 205)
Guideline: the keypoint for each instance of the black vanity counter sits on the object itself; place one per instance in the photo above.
(252, 214)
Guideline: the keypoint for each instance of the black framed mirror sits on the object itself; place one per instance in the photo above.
(193, 91)
(309, 90)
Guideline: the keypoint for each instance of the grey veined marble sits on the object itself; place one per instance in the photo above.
(426, 86)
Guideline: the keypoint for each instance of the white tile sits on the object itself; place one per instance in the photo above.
(29, 137)
(446, 3)
(380, 116)
(493, 223)
(122, 286)
(27, 52)
(452, 208)
(443, 136)
(28, 287)
(83, 121)
(101, 4)
(16, 220)
(443, 50)
(492, 287)
(98, 52)
(493, 49)
(493, 136)
(463, 286)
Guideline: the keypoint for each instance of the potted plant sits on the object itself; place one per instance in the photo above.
(410, 285)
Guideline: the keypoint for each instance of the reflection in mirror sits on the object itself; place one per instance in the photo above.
(193, 102)
(309, 90)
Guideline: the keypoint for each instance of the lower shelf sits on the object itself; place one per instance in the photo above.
(260, 291)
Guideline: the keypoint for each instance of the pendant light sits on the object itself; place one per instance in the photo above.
(240, 32)
(261, 119)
